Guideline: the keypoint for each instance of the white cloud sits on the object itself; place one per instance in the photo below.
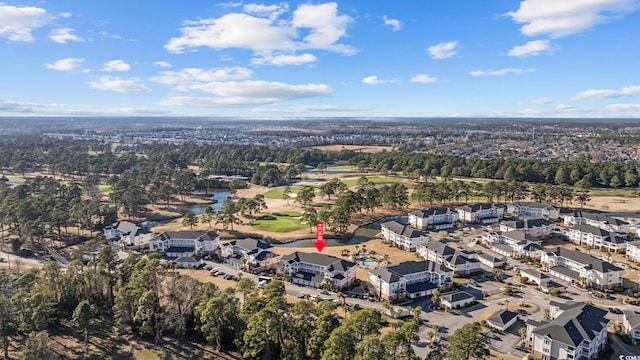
(541, 101)
(564, 107)
(443, 50)
(373, 80)
(531, 48)
(607, 93)
(64, 35)
(622, 107)
(18, 22)
(186, 77)
(322, 24)
(270, 11)
(559, 18)
(248, 93)
(281, 60)
(395, 24)
(163, 64)
(68, 64)
(120, 85)
(116, 65)
(313, 108)
(13, 107)
(424, 78)
(501, 72)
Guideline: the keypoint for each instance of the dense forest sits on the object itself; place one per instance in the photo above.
(148, 298)
(84, 158)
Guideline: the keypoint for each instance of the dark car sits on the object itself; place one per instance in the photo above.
(521, 348)
(615, 311)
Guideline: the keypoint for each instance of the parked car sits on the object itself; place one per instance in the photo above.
(207, 267)
(219, 273)
(301, 295)
(356, 307)
(521, 348)
(228, 277)
(324, 292)
(615, 311)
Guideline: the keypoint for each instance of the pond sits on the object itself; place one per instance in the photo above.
(361, 235)
(198, 209)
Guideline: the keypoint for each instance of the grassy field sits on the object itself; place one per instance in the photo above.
(105, 189)
(614, 192)
(277, 192)
(373, 179)
(15, 179)
(285, 221)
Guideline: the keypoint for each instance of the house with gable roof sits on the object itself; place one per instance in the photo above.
(313, 269)
(575, 331)
(403, 236)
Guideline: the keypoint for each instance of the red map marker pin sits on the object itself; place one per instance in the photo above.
(320, 243)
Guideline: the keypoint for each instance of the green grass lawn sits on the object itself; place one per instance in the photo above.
(613, 192)
(373, 179)
(15, 179)
(105, 189)
(285, 221)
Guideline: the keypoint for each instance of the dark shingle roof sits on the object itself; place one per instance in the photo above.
(601, 218)
(527, 223)
(251, 244)
(502, 317)
(404, 230)
(476, 207)
(431, 211)
(186, 235)
(421, 286)
(519, 236)
(393, 273)
(533, 204)
(319, 259)
(458, 296)
(575, 324)
(584, 258)
(590, 229)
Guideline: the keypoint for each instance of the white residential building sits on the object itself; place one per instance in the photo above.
(522, 245)
(433, 218)
(594, 219)
(184, 243)
(127, 232)
(489, 261)
(403, 236)
(410, 279)
(457, 300)
(633, 251)
(631, 324)
(503, 319)
(596, 238)
(312, 269)
(535, 209)
(249, 253)
(535, 276)
(463, 263)
(573, 265)
(480, 213)
(533, 227)
(576, 331)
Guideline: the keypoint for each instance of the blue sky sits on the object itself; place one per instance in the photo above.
(531, 58)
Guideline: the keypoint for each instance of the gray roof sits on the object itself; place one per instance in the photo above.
(634, 243)
(404, 230)
(458, 296)
(527, 223)
(393, 273)
(534, 273)
(583, 258)
(431, 211)
(489, 257)
(502, 317)
(566, 271)
(503, 247)
(591, 230)
(575, 324)
(519, 236)
(251, 244)
(127, 227)
(319, 259)
(441, 248)
(476, 207)
(601, 218)
(186, 235)
(421, 286)
(533, 204)
(186, 259)
(633, 317)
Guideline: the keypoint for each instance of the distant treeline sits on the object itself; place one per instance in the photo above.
(85, 157)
